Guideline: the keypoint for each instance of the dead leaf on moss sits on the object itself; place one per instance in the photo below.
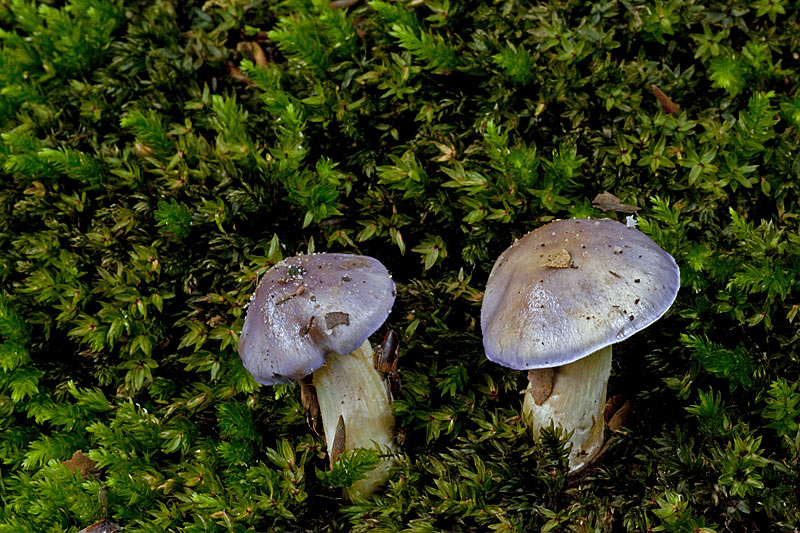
(238, 75)
(82, 464)
(308, 398)
(606, 201)
(254, 51)
(665, 101)
(617, 412)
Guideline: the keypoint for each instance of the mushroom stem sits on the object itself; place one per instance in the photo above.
(349, 386)
(576, 404)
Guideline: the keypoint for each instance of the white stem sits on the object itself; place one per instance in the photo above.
(576, 404)
(350, 386)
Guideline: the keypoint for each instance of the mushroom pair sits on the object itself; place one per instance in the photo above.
(556, 301)
(312, 315)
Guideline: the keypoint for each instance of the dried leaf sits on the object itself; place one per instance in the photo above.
(82, 464)
(606, 201)
(238, 75)
(254, 50)
(665, 101)
(541, 384)
(617, 412)
(385, 360)
(308, 397)
(336, 318)
(339, 440)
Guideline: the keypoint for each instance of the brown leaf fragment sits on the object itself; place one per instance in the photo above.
(605, 201)
(560, 260)
(258, 54)
(617, 412)
(308, 397)
(665, 101)
(82, 464)
(342, 4)
(238, 75)
(254, 51)
(385, 358)
(339, 441)
(541, 384)
(336, 318)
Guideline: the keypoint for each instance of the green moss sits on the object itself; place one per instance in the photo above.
(158, 157)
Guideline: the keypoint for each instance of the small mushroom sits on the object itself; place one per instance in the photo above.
(540, 312)
(313, 314)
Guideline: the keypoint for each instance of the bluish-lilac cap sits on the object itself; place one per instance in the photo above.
(572, 287)
(308, 306)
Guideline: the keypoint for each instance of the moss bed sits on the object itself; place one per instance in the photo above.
(158, 157)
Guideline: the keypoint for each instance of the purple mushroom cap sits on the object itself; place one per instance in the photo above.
(308, 306)
(572, 287)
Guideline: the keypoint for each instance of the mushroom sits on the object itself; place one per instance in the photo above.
(313, 314)
(556, 301)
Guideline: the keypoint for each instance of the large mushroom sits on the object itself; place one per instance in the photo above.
(556, 301)
(312, 315)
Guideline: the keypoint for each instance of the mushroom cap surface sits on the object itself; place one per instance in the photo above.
(571, 287)
(308, 306)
